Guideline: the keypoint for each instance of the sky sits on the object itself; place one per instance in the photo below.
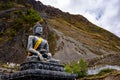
(104, 13)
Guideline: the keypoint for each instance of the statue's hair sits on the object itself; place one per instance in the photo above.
(37, 25)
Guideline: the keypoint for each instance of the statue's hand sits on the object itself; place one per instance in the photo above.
(35, 52)
(42, 51)
(40, 56)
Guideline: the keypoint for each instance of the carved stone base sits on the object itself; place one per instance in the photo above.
(40, 71)
(42, 65)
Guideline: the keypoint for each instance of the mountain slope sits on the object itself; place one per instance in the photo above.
(70, 36)
(83, 43)
(78, 37)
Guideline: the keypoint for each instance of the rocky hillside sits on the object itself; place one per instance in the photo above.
(70, 36)
(16, 21)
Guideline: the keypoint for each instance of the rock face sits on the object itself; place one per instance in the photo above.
(40, 71)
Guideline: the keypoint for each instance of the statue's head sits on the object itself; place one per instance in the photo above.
(38, 29)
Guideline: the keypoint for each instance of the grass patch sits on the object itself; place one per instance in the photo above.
(7, 5)
(102, 75)
(10, 32)
(104, 71)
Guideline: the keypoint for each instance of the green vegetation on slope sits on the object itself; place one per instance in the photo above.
(20, 19)
(29, 17)
(15, 25)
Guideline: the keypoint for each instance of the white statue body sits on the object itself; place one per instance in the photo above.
(38, 31)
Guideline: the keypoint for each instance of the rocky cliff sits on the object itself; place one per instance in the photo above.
(70, 36)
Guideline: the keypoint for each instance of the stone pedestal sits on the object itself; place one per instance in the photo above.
(42, 65)
(39, 71)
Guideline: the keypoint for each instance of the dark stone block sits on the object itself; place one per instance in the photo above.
(42, 65)
(39, 71)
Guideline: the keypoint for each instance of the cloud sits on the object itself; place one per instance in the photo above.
(104, 13)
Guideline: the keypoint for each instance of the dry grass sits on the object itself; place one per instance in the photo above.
(102, 77)
(87, 33)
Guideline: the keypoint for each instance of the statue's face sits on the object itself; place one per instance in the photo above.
(38, 30)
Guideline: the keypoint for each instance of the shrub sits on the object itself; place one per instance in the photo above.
(79, 68)
(26, 19)
(30, 16)
(68, 68)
